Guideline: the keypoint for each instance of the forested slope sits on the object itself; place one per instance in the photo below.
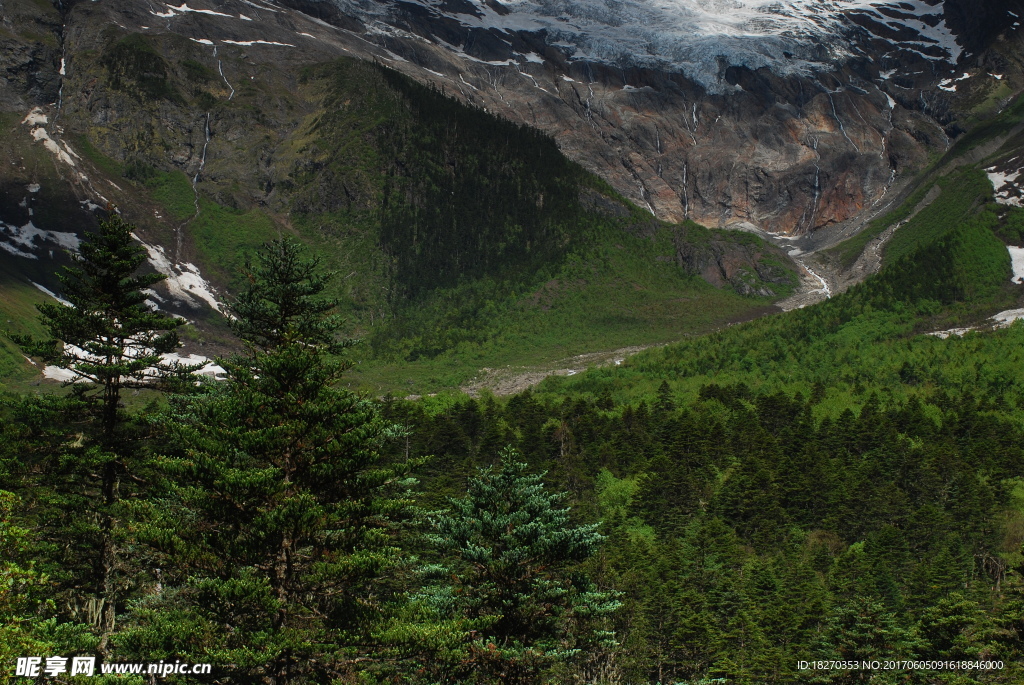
(827, 484)
(833, 483)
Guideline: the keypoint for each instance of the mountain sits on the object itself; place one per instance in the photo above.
(483, 175)
(786, 115)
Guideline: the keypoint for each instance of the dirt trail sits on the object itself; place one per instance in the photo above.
(515, 379)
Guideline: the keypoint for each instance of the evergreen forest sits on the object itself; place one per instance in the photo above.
(830, 495)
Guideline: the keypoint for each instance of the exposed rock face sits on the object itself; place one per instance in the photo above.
(792, 127)
(787, 142)
(29, 54)
(742, 267)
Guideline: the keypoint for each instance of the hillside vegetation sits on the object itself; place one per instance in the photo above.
(825, 484)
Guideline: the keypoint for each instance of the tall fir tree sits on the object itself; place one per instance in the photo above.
(110, 341)
(288, 514)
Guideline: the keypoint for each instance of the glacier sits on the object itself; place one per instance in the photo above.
(698, 38)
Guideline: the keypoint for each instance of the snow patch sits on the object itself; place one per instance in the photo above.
(39, 134)
(249, 43)
(34, 188)
(27, 235)
(1017, 263)
(183, 8)
(208, 368)
(7, 247)
(1005, 184)
(184, 281)
(55, 373)
(1009, 316)
(35, 118)
(260, 7)
(1001, 320)
(52, 294)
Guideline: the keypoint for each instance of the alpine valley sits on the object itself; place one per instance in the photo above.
(501, 184)
(743, 279)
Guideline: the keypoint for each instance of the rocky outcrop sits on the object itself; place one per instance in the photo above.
(30, 55)
(741, 266)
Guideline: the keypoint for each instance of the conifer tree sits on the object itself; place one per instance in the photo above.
(110, 341)
(512, 551)
(287, 515)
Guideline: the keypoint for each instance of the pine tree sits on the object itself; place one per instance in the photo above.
(287, 513)
(110, 341)
(512, 552)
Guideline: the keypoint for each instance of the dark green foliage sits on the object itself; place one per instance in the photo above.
(22, 588)
(106, 335)
(1011, 228)
(196, 72)
(962, 195)
(204, 100)
(862, 630)
(463, 195)
(510, 549)
(470, 195)
(747, 533)
(135, 67)
(286, 513)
